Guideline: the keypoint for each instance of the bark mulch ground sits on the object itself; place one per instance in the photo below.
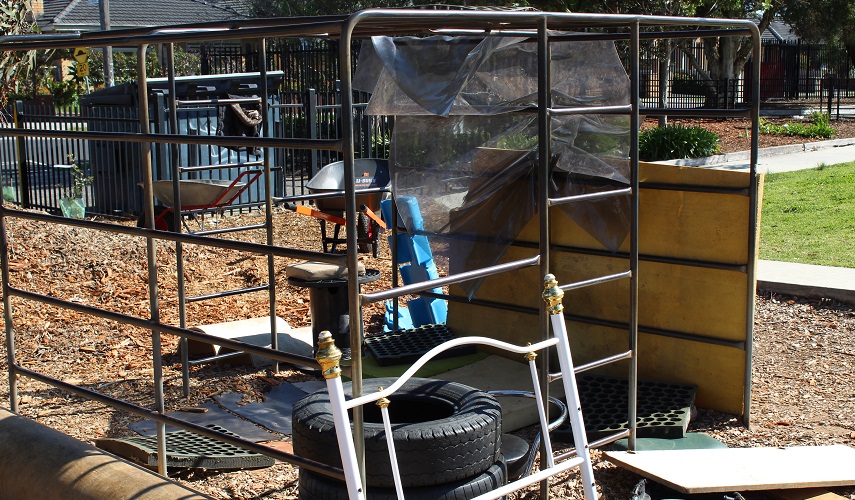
(803, 391)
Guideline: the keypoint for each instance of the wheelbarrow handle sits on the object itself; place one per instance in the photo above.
(302, 209)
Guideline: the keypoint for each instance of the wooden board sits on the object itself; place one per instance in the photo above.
(742, 469)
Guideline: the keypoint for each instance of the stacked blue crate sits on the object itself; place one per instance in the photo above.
(414, 251)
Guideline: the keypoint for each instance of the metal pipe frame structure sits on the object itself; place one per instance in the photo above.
(541, 27)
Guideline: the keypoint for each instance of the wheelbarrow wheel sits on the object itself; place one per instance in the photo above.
(161, 222)
(363, 233)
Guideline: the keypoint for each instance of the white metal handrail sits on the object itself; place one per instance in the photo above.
(328, 356)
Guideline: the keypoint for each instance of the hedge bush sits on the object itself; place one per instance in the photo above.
(676, 141)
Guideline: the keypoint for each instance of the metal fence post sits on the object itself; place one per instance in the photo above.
(310, 107)
(23, 171)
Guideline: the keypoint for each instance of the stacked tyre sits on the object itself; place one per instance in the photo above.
(447, 439)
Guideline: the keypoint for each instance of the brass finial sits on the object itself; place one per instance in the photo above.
(531, 355)
(328, 355)
(382, 402)
(552, 295)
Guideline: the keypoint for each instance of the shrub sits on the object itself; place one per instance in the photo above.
(819, 128)
(676, 141)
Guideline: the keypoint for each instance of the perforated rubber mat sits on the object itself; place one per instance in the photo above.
(186, 449)
(406, 346)
(663, 410)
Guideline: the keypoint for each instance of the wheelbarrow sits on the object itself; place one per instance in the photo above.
(369, 173)
(197, 196)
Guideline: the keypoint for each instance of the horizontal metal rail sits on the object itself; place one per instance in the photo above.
(199, 168)
(594, 364)
(376, 22)
(592, 110)
(742, 191)
(596, 281)
(208, 102)
(227, 293)
(697, 112)
(327, 194)
(147, 324)
(190, 426)
(368, 298)
(236, 229)
(590, 196)
(210, 140)
(661, 332)
(218, 357)
(740, 268)
(242, 246)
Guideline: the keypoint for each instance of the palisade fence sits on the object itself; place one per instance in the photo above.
(33, 173)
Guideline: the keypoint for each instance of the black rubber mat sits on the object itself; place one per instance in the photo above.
(186, 449)
(663, 410)
(209, 414)
(273, 413)
(406, 346)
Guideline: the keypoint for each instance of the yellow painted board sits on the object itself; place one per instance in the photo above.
(687, 299)
(695, 176)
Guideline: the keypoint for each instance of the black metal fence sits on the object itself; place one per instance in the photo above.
(36, 173)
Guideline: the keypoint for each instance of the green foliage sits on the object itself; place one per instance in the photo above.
(676, 141)
(807, 216)
(125, 65)
(520, 141)
(19, 68)
(819, 127)
(79, 179)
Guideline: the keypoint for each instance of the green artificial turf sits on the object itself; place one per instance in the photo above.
(808, 216)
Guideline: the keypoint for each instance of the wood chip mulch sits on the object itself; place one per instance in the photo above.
(804, 351)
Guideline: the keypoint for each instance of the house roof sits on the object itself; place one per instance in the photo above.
(779, 31)
(84, 15)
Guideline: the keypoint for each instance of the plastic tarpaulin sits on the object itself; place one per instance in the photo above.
(470, 161)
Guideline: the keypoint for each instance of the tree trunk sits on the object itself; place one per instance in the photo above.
(664, 79)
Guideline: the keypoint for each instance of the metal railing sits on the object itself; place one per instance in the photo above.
(536, 26)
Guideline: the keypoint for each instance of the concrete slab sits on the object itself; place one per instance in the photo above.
(806, 280)
(254, 331)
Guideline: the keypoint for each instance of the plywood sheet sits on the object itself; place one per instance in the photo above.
(743, 469)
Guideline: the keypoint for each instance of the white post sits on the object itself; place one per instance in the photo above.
(541, 410)
(328, 356)
(383, 403)
(553, 297)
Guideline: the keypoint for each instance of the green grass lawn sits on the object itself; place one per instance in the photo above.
(808, 216)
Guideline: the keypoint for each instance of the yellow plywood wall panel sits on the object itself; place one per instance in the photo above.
(718, 371)
(702, 301)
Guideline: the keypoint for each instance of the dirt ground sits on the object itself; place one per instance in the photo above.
(803, 390)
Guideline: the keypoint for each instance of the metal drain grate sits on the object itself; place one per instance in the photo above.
(186, 449)
(406, 346)
(663, 410)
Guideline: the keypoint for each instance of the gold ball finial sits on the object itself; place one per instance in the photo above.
(552, 295)
(382, 402)
(328, 355)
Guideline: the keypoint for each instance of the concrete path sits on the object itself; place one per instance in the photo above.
(805, 280)
(781, 158)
